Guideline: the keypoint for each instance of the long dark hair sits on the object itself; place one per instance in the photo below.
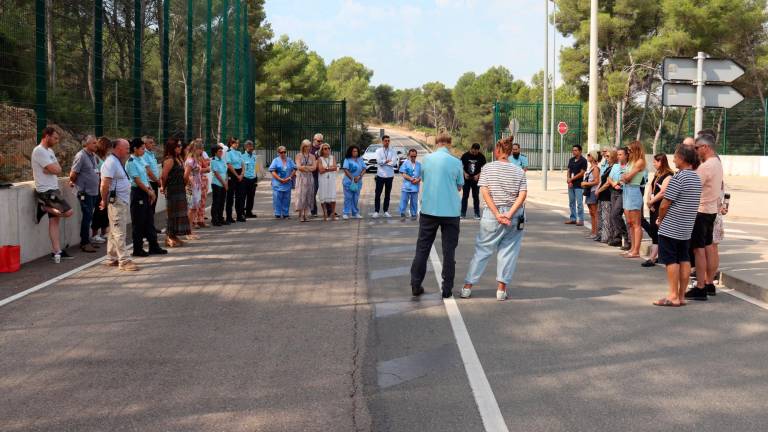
(348, 155)
(665, 169)
(169, 150)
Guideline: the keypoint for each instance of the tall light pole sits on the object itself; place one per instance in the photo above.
(593, 83)
(545, 122)
(554, 87)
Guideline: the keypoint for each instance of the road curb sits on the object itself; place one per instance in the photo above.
(727, 279)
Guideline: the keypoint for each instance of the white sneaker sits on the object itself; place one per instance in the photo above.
(98, 239)
(501, 295)
(466, 293)
(358, 217)
(345, 217)
(375, 215)
(387, 215)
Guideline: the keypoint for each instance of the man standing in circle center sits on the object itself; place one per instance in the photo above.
(387, 160)
(473, 162)
(443, 177)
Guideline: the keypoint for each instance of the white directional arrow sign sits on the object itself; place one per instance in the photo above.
(715, 70)
(715, 96)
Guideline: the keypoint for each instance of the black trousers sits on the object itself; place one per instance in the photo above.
(470, 185)
(217, 207)
(250, 194)
(316, 179)
(619, 228)
(156, 189)
(449, 231)
(142, 220)
(382, 184)
(236, 197)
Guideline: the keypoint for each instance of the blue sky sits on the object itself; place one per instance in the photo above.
(410, 42)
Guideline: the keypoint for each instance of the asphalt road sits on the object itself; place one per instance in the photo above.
(281, 326)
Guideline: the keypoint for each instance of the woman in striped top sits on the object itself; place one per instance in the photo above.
(504, 189)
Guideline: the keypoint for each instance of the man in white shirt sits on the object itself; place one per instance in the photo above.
(116, 198)
(387, 160)
(46, 169)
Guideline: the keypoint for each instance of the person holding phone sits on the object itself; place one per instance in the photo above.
(504, 188)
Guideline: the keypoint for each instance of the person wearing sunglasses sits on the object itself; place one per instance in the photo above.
(283, 170)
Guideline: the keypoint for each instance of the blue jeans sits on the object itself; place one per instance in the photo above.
(350, 202)
(413, 197)
(87, 205)
(502, 239)
(281, 201)
(576, 204)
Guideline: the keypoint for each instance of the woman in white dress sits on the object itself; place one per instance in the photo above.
(326, 191)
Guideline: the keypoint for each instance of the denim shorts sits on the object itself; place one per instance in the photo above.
(591, 198)
(633, 198)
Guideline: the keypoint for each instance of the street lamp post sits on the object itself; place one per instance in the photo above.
(545, 122)
(593, 89)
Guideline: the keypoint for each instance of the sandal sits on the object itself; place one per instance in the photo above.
(666, 302)
(630, 256)
(649, 263)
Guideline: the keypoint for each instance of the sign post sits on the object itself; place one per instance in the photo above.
(562, 128)
(700, 83)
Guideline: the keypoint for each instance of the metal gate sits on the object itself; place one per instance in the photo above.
(290, 122)
(529, 134)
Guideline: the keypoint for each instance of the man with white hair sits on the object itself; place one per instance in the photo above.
(116, 198)
(317, 144)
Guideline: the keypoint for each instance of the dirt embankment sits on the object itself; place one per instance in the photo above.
(18, 138)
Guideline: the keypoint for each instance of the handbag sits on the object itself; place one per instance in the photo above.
(353, 187)
(10, 258)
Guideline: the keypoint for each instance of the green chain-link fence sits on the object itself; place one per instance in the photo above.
(288, 123)
(121, 68)
(528, 119)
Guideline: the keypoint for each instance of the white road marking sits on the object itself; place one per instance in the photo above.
(478, 381)
(746, 298)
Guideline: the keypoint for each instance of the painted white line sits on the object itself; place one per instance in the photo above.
(478, 381)
(746, 298)
(734, 231)
(50, 282)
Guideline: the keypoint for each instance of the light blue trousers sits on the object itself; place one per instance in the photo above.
(350, 202)
(576, 204)
(504, 240)
(281, 202)
(413, 197)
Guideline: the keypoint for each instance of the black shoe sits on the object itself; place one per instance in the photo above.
(250, 216)
(710, 289)
(226, 223)
(158, 251)
(626, 247)
(140, 253)
(230, 221)
(598, 239)
(417, 292)
(241, 219)
(65, 255)
(649, 263)
(696, 293)
(615, 244)
(447, 294)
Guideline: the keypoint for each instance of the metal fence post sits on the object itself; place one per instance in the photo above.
(41, 68)
(188, 121)
(208, 85)
(765, 128)
(165, 102)
(98, 68)
(224, 26)
(236, 98)
(137, 68)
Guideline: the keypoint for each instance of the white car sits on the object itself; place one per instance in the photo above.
(369, 157)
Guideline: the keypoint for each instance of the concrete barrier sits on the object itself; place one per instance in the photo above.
(740, 166)
(17, 220)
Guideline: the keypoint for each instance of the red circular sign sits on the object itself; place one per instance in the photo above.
(562, 127)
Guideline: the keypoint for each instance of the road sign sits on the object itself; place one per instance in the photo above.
(562, 127)
(715, 70)
(713, 96)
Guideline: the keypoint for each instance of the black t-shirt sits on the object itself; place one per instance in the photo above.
(473, 163)
(575, 167)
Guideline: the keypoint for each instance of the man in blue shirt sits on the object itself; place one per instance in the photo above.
(249, 160)
(153, 168)
(443, 177)
(236, 191)
(142, 198)
(518, 159)
(411, 171)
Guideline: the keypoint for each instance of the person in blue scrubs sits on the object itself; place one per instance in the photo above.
(411, 171)
(249, 160)
(219, 185)
(283, 170)
(354, 170)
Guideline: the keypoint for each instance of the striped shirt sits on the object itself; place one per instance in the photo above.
(504, 181)
(684, 191)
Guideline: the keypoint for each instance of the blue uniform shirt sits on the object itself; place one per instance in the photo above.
(235, 158)
(136, 167)
(521, 161)
(616, 172)
(413, 170)
(283, 171)
(250, 164)
(355, 167)
(151, 161)
(442, 175)
(218, 166)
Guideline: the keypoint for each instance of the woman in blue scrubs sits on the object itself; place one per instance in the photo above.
(283, 171)
(354, 169)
